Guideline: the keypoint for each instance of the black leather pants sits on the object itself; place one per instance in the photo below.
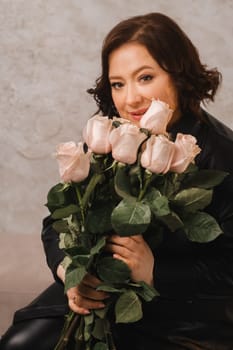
(34, 334)
(38, 325)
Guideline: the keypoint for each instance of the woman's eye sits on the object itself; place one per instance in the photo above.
(116, 85)
(146, 77)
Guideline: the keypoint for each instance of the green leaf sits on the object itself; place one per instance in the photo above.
(101, 313)
(128, 308)
(147, 292)
(99, 246)
(122, 182)
(82, 260)
(131, 217)
(193, 199)
(56, 196)
(66, 262)
(152, 195)
(172, 221)
(98, 330)
(101, 346)
(111, 270)
(65, 212)
(205, 178)
(105, 287)
(62, 240)
(61, 226)
(171, 183)
(87, 333)
(74, 224)
(88, 320)
(77, 250)
(66, 241)
(201, 227)
(99, 218)
(159, 204)
(74, 276)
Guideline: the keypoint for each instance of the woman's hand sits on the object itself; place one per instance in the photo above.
(85, 296)
(135, 252)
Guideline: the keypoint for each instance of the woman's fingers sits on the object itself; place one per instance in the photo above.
(83, 305)
(91, 280)
(87, 288)
(123, 241)
(72, 302)
(89, 292)
(124, 246)
(136, 253)
(85, 296)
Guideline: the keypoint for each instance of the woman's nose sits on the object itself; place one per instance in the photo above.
(132, 95)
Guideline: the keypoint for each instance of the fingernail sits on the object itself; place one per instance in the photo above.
(86, 312)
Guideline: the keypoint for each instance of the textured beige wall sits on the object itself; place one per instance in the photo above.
(49, 53)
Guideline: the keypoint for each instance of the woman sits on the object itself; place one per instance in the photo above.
(147, 57)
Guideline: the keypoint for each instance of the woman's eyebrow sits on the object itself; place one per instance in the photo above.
(134, 72)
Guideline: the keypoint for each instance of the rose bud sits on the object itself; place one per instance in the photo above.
(73, 163)
(186, 150)
(125, 141)
(96, 134)
(156, 117)
(158, 154)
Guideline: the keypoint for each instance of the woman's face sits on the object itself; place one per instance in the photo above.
(136, 78)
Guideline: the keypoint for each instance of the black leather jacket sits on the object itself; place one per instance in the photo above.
(203, 270)
(195, 280)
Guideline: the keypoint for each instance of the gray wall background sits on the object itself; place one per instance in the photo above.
(50, 55)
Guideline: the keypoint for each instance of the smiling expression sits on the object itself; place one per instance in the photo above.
(136, 78)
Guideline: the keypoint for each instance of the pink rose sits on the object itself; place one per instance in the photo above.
(125, 141)
(156, 117)
(96, 134)
(186, 150)
(73, 163)
(120, 120)
(158, 154)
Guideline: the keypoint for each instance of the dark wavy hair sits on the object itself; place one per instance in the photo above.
(174, 52)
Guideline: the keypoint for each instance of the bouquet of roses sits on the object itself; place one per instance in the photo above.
(129, 180)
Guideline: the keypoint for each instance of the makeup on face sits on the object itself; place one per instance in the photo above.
(136, 78)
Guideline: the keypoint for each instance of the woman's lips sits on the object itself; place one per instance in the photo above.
(137, 115)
